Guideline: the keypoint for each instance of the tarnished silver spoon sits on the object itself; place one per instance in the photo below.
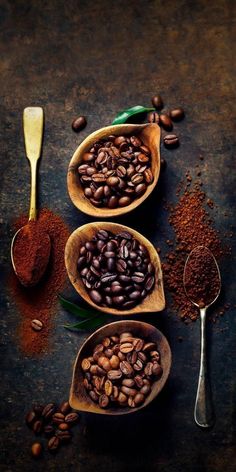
(203, 411)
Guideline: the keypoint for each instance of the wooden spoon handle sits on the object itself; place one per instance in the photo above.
(33, 135)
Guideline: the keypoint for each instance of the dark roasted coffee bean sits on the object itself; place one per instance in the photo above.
(150, 283)
(118, 300)
(171, 140)
(157, 102)
(112, 181)
(121, 265)
(137, 178)
(71, 418)
(177, 114)
(108, 278)
(166, 122)
(58, 418)
(132, 357)
(139, 381)
(48, 411)
(135, 295)
(64, 436)
(79, 123)
(157, 369)
(140, 189)
(153, 117)
(131, 392)
(113, 202)
(124, 201)
(95, 296)
(53, 443)
(49, 430)
(38, 426)
(135, 141)
(103, 401)
(30, 418)
(148, 176)
(93, 396)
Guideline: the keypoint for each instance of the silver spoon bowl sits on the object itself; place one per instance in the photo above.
(203, 410)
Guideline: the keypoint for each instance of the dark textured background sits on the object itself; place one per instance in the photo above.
(96, 58)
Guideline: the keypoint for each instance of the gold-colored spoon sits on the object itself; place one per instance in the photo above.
(33, 134)
(203, 411)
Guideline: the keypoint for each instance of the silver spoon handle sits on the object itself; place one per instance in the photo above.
(203, 411)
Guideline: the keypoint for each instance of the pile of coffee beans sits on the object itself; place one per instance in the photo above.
(116, 269)
(165, 120)
(54, 423)
(116, 171)
(121, 370)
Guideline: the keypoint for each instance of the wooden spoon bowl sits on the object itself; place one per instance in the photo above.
(153, 302)
(79, 398)
(148, 133)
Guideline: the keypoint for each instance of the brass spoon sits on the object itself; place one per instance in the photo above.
(203, 410)
(33, 134)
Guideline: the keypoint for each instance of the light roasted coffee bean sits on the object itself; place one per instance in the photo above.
(36, 325)
(36, 449)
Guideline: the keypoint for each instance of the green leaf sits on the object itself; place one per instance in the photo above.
(88, 324)
(77, 310)
(124, 115)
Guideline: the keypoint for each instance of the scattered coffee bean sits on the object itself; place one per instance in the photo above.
(79, 123)
(53, 444)
(153, 117)
(177, 114)
(119, 385)
(36, 449)
(157, 102)
(54, 422)
(166, 122)
(30, 418)
(171, 141)
(117, 272)
(107, 171)
(36, 325)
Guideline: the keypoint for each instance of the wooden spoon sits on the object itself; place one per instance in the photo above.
(80, 400)
(149, 134)
(155, 301)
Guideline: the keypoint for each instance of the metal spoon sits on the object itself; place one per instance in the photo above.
(33, 134)
(203, 411)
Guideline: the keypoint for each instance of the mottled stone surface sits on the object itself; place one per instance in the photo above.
(95, 58)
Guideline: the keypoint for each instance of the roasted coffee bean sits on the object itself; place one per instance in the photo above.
(122, 398)
(149, 284)
(126, 347)
(93, 396)
(113, 202)
(124, 201)
(58, 418)
(140, 189)
(95, 296)
(49, 430)
(157, 369)
(153, 117)
(149, 347)
(53, 443)
(30, 418)
(48, 411)
(114, 362)
(63, 426)
(79, 123)
(36, 325)
(139, 381)
(148, 176)
(85, 364)
(145, 389)
(104, 363)
(38, 426)
(139, 398)
(166, 122)
(138, 365)
(108, 387)
(157, 102)
(64, 436)
(171, 141)
(148, 368)
(126, 368)
(103, 401)
(88, 157)
(177, 114)
(114, 374)
(132, 357)
(36, 449)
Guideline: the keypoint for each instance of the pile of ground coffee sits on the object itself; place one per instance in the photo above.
(39, 302)
(192, 226)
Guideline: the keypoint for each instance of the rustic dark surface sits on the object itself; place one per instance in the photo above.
(95, 58)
